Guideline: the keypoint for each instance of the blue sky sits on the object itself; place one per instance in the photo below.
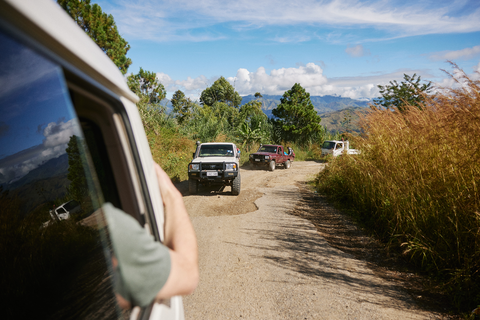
(343, 47)
(37, 118)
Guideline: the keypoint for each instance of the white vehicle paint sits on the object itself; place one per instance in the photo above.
(336, 148)
(65, 210)
(215, 163)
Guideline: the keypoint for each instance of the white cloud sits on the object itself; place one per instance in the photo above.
(56, 137)
(466, 53)
(279, 80)
(199, 83)
(192, 87)
(309, 76)
(57, 134)
(357, 51)
(292, 39)
(187, 20)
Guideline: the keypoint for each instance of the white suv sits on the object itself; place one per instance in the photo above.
(215, 163)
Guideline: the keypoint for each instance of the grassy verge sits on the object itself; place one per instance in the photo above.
(416, 187)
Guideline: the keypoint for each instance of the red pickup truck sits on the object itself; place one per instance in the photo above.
(272, 155)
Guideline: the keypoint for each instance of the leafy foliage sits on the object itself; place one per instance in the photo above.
(101, 28)
(182, 106)
(221, 91)
(146, 85)
(296, 115)
(408, 93)
(78, 188)
(254, 125)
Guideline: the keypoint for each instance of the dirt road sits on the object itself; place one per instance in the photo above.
(260, 261)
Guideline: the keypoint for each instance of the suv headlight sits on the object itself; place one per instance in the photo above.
(193, 166)
(267, 157)
(230, 166)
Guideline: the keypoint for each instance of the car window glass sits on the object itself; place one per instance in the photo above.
(328, 145)
(51, 268)
(216, 151)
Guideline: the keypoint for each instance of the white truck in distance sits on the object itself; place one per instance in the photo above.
(337, 148)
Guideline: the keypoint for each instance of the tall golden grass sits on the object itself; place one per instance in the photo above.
(416, 184)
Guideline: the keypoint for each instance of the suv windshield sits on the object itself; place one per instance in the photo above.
(268, 149)
(217, 150)
(328, 145)
(70, 205)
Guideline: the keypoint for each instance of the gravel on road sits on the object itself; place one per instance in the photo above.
(260, 260)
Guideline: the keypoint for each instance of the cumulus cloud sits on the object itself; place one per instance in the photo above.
(192, 87)
(357, 51)
(466, 54)
(56, 137)
(57, 134)
(279, 80)
(309, 76)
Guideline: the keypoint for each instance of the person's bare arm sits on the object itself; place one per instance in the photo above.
(180, 239)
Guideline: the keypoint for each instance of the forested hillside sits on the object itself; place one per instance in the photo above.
(345, 120)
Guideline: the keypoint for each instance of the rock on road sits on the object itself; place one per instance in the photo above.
(258, 261)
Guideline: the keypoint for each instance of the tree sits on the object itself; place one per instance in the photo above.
(182, 106)
(221, 91)
(254, 126)
(258, 95)
(296, 115)
(101, 28)
(347, 121)
(409, 92)
(78, 188)
(249, 135)
(145, 85)
(249, 109)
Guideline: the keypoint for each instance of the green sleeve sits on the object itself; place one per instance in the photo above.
(143, 263)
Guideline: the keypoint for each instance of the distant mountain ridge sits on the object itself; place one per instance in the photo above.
(52, 168)
(345, 120)
(322, 104)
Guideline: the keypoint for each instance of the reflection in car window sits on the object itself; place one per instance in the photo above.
(52, 268)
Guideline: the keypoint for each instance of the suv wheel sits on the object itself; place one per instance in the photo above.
(271, 165)
(236, 185)
(287, 164)
(192, 186)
